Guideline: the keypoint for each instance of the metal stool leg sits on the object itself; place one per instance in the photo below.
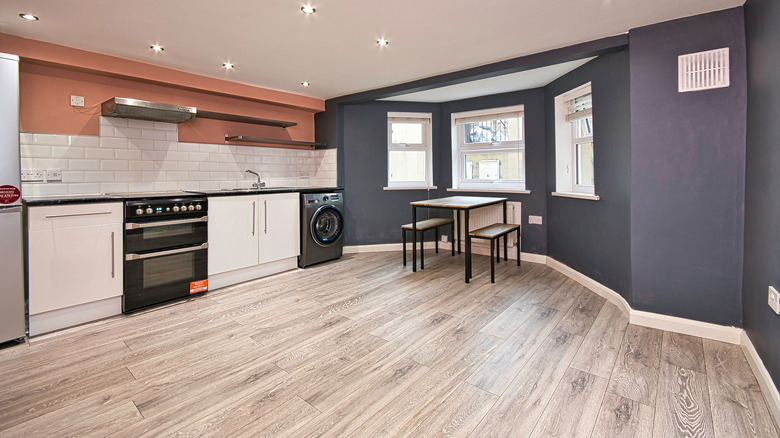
(498, 249)
(403, 238)
(436, 235)
(518, 247)
(422, 250)
(492, 262)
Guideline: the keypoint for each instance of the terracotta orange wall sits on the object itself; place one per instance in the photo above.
(50, 73)
(45, 106)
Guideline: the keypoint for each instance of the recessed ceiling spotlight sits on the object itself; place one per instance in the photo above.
(382, 42)
(305, 84)
(308, 9)
(29, 17)
(228, 65)
(157, 48)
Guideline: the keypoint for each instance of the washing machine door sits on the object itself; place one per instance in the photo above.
(327, 224)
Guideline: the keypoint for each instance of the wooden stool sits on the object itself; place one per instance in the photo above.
(425, 225)
(493, 233)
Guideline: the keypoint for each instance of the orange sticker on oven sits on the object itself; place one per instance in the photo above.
(199, 286)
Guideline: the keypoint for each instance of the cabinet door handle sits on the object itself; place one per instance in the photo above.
(265, 217)
(49, 216)
(113, 270)
(253, 217)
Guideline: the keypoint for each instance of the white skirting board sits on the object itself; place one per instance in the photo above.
(768, 387)
(224, 279)
(732, 335)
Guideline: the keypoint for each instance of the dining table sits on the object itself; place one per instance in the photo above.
(457, 204)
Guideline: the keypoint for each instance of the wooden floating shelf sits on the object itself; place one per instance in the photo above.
(243, 119)
(243, 138)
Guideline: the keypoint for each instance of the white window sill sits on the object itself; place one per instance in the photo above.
(410, 188)
(517, 191)
(577, 196)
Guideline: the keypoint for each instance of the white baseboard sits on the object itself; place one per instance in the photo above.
(224, 279)
(596, 287)
(731, 335)
(768, 387)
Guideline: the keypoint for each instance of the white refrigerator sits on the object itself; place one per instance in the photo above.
(12, 308)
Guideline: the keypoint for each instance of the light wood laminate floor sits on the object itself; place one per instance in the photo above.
(363, 347)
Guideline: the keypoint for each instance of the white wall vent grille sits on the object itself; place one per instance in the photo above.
(703, 70)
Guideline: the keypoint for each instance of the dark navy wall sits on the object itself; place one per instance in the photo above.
(762, 185)
(594, 237)
(687, 173)
(533, 236)
(374, 215)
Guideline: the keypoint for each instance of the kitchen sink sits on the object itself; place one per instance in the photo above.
(253, 189)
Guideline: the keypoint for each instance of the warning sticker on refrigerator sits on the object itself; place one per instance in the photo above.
(199, 286)
(9, 194)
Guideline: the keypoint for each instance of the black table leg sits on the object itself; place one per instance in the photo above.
(506, 237)
(468, 244)
(414, 238)
(457, 218)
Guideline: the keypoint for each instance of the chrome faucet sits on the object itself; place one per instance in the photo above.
(258, 184)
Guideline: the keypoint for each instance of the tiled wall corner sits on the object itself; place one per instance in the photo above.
(136, 155)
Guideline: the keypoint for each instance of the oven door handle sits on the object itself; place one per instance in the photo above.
(131, 257)
(135, 226)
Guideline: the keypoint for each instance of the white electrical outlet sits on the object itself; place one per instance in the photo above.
(774, 300)
(444, 238)
(534, 220)
(76, 100)
(53, 175)
(32, 175)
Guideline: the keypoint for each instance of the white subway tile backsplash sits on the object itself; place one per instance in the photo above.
(164, 126)
(127, 176)
(33, 151)
(100, 153)
(113, 142)
(127, 132)
(114, 188)
(113, 164)
(50, 139)
(152, 134)
(98, 176)
(127, 154)
(138, 143)
(143, 124)
(140, 165)
(84, 140)
(118, 160)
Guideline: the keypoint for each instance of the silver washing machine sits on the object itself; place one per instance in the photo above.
(322, 227)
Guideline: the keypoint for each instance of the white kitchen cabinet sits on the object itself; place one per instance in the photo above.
(233, 236)
(75, 264)
(251, 236)
(279, 227)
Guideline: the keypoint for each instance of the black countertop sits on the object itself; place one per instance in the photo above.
(34, 201)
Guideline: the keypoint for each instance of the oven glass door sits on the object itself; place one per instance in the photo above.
(142, 237)
(157, 277)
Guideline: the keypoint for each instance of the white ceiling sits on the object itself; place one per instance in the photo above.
(523, 80)
(274, 45)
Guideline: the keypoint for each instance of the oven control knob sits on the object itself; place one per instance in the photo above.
(149, 210)
(198, 207)
(175, 208)
(140, 211)
(191, 207)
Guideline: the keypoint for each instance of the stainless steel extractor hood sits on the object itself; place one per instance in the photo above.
(143, 110)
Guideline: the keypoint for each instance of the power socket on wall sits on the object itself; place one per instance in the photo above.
(774, 300)
(534, 220)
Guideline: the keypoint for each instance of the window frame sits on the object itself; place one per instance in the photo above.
(460, 150)
(426, 120)
(566, 146)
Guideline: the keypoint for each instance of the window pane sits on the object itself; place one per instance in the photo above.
(583, 127)
(407, 133)
(494, 130)
(494, 166)
(585, 164)
(407, 166)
